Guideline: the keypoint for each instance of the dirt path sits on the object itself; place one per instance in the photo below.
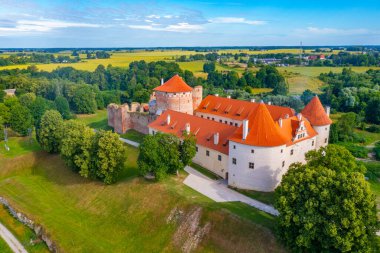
(9, 238)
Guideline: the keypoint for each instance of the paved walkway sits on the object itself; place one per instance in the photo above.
(218, 191)
(132, 143)
(9, 238)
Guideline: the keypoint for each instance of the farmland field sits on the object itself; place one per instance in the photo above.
(132, 215)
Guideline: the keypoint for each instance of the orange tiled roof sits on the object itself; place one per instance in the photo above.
(315, 113)
(174, 84)
(238, 109)
(263, 131)
(289, 128)
(203, 129)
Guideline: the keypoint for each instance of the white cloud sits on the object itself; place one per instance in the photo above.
(154, 16)
(168, 16)
(332, 31)
(235, 20)
(180, 27)
(42, 25)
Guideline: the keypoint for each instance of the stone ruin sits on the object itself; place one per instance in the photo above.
(124, 117)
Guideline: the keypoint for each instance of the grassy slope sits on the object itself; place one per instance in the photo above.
(130, 216)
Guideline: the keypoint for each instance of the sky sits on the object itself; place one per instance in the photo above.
(115, 23)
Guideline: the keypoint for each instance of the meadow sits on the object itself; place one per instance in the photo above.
(133, 215)
(298, 78)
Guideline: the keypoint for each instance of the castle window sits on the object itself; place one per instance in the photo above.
(225, 122)
(231, 123)
(213, 118)
(312, 144)
(282, 151)
(325, 140)
(283, 164)
(326, 128)
(207, 153)
(196, 148)
(221, 121)
(234, 161)
(252, 151)
(201, 116)
(251, 165)
(219, 157)
(175, 94)
(236, 124)
(234, 147)
(291, 152)
(208, 117)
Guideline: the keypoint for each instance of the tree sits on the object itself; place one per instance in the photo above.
(51, 131)
(21, 119)
(187, 149)
(324, 210)
(159, 154)
(109, 155)
(373, 110)
(1, 129)
(38, 107)
(84, 100)
(5, 113)
(334, 157)
(62, 106)
(209, 67)
(76, 147)
(27, 99)
(306, 96)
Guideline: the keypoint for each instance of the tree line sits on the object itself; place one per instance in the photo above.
(23, 58)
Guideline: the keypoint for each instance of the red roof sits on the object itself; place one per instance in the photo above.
(203, 129)
(174, 84)
(263, 131)
(238, 109)
(315, 113)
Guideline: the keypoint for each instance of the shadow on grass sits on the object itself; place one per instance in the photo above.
(101, 124)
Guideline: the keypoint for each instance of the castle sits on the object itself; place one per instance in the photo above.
(248, 143)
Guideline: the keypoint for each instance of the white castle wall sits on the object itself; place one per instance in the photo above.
(323, 135)
(211, 162)
(270, 164)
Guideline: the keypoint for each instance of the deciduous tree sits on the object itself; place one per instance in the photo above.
(51, 131)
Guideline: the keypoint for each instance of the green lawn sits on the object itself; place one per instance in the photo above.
(97, 120)
(204, 171)
(130, 216)
(4, 248)
(265, 197)
(18, 146)
(133, 135)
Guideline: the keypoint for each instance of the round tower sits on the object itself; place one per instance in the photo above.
(174, 95)
(197, 96)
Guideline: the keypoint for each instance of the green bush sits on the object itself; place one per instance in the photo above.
(374, 129)
(355, 150)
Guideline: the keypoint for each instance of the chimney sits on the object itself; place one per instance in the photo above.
(252, 100)
(286, 116)
(245, 129)
(280, 122)
(216, 138)
(162, 81)
(216, 95)
(299, 116)
(228, 96)
(168, 120)
(328, 110)
(269, 103)
(188, 128)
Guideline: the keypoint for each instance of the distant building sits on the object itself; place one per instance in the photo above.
(10, 92)
(249, 144)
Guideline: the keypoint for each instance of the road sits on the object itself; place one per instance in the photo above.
(9, 238)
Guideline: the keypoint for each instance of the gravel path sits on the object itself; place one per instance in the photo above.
(9, 238)
(132, 143)
(218, 191)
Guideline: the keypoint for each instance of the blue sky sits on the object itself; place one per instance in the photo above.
(94, 23)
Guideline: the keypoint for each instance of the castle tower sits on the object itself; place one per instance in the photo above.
(319, 119)
(174, 95)
(197, 96)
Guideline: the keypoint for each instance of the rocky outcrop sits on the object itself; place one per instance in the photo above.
(38, 229)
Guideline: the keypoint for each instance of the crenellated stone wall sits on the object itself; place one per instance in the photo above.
(125, 117)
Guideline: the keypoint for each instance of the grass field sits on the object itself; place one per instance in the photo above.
(98, 120)
(131, 215)
(4, 248)
(18, 146)
(133, 135)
